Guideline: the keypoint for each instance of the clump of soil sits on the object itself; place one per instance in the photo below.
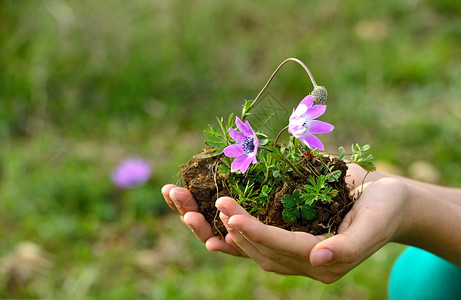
(201, 178)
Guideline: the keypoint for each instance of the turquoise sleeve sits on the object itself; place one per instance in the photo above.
(421, 275)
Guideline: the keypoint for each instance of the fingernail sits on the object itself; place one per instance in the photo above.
(176, 194)
(164, 188)
(322, 257)
(222, 209)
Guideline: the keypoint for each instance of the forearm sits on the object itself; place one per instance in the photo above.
(432, 223)
(452, 195)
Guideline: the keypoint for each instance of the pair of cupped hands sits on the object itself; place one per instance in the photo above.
(375, 219)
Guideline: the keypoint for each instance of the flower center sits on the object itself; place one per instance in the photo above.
(307, 125)
(248, 145)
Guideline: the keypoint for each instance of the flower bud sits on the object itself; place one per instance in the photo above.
(320, 94)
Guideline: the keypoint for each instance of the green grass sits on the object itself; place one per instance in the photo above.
(84, 84)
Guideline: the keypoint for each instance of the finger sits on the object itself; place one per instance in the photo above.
(231, 242)
(216, 243)
(278, 239)
(166, 195)
(264, 262)
(261, 234)
(183, 200)
(230, 207)
(256, 239)
(202, 230)
(199, 226)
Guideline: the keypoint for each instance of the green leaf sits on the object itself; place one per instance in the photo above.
(308, 213)
(222, 125)
(289, 201)
(275, 152)
(230, 120)
(216, 145)
(247, 108)
(334, 176)
(226, 162)
(333, 193)
(365, 148)
(297, 195)
(263, 138)
(289, 215)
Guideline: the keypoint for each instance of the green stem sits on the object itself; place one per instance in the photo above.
(278, 135)
(258, 97)
(295, 169)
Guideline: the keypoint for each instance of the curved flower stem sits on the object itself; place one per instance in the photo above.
(279, 134)
(258, 97)
(295, 169)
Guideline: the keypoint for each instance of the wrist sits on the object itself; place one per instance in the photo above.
(404, 212)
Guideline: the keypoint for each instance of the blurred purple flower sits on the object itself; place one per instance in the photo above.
(245, 151)
(131, 172)
(303, 126)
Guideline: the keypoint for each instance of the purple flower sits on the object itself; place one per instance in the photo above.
(131, 172)
(245, 151)
(303, 126)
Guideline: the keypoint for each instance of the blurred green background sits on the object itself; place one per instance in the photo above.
(85, 84)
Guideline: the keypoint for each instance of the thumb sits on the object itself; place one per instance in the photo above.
(352, 246)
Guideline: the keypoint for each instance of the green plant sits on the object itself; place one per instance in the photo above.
(256, 165)
(297, 207)
(359, 156)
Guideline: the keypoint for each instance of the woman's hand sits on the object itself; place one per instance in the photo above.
(374, 220)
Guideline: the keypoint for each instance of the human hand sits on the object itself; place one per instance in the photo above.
(182, 202)
(375, 219)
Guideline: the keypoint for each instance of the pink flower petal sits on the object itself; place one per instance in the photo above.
(239, 162)
(308, 101)
(234, 150)
(245, 163)
(312, 142)
(315, 111)
(300, 110)
(237, 136)
(245, 128)
(317, 127)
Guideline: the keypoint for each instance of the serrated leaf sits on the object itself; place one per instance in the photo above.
(297, 194)
(307, 213)
(288, 201)
(289, 215)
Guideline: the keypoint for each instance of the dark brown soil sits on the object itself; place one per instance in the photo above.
(201, 178)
